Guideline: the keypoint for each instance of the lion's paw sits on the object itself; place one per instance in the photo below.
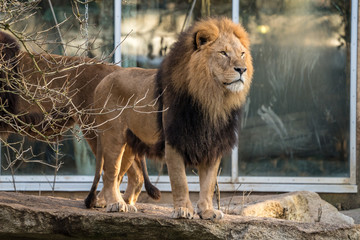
(182, 212)
(117, 207)
(211, 214)
(100, 203)
(132, 208)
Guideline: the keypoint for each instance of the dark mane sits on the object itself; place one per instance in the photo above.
(193, 135)
(163, 76)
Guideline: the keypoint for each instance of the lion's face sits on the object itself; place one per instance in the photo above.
(212, 63)
(228, 62)
(221, 59)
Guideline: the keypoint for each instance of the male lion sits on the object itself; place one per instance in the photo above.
(41, 95)
(195, 97)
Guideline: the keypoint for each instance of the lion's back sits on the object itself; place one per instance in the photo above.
(127, 83)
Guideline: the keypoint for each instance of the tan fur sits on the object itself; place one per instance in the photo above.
(44, 94)
(203, 77)
(133, 101)
(74, 76)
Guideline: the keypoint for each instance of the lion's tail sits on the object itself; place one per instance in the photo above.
(152, 191)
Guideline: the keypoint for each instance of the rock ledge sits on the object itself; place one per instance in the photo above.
(33, 217)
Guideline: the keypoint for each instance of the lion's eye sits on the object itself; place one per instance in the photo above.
(242, 54)
(223, 53)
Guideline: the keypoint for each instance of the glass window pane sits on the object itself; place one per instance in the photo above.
(296, 121)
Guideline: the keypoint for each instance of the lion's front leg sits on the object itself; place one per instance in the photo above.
(180, 192)
(112, 164)
(207, 175)
(135, 182)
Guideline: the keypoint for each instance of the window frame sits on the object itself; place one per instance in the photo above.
(235, 182)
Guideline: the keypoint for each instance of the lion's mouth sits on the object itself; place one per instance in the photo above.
(235, 81)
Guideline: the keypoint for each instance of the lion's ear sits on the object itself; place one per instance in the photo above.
(203, 37)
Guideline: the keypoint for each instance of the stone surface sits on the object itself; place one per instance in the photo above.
(354, 214)
(296, 206)
(32, 217)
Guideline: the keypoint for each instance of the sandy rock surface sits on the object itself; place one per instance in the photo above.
(32, 217)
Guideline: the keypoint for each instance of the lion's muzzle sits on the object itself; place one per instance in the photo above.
(240, 70)
(235, 81)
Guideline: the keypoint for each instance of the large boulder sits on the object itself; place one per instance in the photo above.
(296, 206)
(34, 217)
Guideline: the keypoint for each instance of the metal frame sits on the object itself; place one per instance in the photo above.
(233, 182)
(83, 183)
(353, 88)
(117, 32)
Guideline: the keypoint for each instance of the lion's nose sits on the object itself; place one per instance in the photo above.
(240, 70)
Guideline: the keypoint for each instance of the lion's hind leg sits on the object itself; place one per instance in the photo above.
(137, 175)
(135, 183)
(129, 166)
(100, 200)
